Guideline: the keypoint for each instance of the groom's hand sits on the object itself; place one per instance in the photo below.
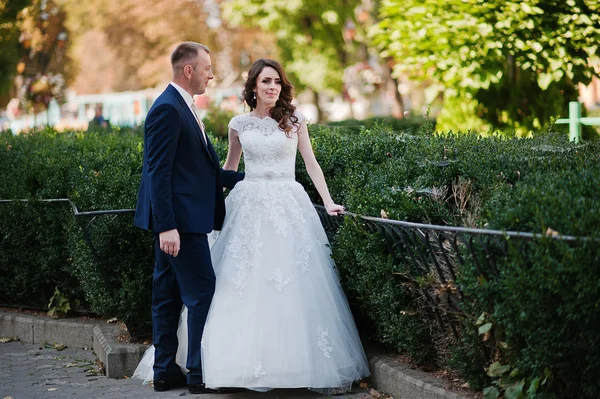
(169, 242)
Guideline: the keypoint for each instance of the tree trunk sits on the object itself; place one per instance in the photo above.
(398, 105)
(513, 82)
(317, 103)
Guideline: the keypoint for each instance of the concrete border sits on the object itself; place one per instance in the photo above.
(119, 359)
(387, 374)
(39, 330)
(402, 381)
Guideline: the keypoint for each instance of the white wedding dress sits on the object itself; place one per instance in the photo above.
(279, 317)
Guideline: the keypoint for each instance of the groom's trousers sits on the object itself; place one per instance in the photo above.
(189, 280)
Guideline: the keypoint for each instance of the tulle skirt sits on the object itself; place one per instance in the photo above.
(279, 317)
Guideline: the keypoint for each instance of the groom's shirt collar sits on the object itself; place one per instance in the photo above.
(187, 97)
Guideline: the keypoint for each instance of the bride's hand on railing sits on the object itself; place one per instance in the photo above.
(334, 209)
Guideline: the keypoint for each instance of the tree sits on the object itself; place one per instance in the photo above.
(125, 44)
(43, 68)
(9, 43)
(513, 61)
(313, 36)
(135, 36)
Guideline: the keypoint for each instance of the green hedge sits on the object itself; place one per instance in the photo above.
(386, 123)
(34, 257)
(543, 305)
(524, 185)
(543, 312)
(43, 246)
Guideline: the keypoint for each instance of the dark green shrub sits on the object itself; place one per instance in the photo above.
(377, 286)
(528, 185)
(525, 185)
(217, 120)
(114, 265)
(382, 123)
(34, 256)
(566, 201)
(543, 306)
(98, 171)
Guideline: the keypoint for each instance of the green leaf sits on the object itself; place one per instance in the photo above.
(544, 80)
(485, 328)
(585, 19)
(480, 320)
(491, 393)
(497, 369)
(535, 383)
(515, 391)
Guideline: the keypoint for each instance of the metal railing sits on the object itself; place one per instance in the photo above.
(433, 253)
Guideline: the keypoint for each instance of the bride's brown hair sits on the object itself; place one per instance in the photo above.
(283, 111)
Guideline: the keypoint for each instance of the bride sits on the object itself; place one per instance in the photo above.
(279, 317)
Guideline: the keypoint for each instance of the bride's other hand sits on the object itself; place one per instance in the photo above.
(334, 209)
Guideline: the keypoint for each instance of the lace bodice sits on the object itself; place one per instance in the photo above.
(268, 152)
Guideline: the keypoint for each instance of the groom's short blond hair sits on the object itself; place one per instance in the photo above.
(185, 53)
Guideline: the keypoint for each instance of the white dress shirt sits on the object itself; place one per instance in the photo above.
(189, 100)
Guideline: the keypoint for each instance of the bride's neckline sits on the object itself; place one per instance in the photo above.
(258, 117)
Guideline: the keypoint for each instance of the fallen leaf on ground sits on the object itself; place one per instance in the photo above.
(7, 340)
(373, 394)
(552, 233)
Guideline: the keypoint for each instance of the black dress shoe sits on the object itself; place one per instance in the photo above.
(164, 385)
(200, 389)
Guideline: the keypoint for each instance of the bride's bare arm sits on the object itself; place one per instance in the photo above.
(234, 152)
(315, 172)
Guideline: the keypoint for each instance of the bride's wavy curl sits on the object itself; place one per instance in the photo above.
(283, 111)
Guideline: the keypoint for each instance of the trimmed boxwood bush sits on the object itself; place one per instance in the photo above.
(34, 257)
(542, 306)
(43, 246)
(385, 123)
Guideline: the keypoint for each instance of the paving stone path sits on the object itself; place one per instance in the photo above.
(32, 371)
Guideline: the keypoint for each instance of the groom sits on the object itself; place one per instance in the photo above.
(181, 200)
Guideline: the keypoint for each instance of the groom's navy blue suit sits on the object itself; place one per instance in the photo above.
(181, 188)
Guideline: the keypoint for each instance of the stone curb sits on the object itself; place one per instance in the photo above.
(403, 382)
(39, 330)
(119, 359)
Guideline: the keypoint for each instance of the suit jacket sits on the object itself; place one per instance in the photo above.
(182, 182)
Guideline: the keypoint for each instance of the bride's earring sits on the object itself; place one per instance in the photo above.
(254, 96)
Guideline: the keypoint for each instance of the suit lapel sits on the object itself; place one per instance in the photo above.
(193, 120)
